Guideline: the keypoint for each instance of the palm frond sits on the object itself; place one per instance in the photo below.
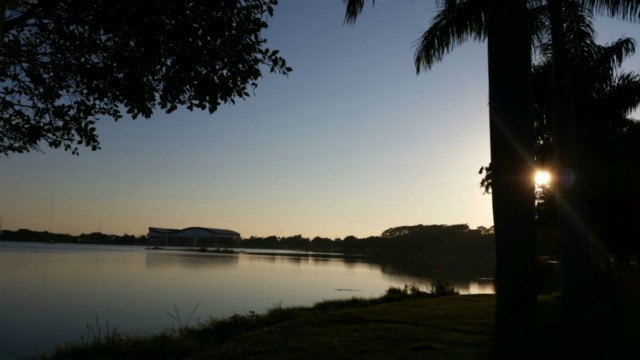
(536, 3)
(456, 22)
(539, 25)
(354, 8)
(578, 28)
(622, 95)
(622, 9)
(601, 65)
(616, 52)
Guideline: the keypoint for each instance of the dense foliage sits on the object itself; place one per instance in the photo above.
(65, 64)
(422, 250)
(91, 238)
(455, 242)
(608, 143)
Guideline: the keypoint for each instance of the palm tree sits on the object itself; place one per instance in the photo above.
(571, 207)
(511, 136)
(571, 32)
(605, 96)
(565, 25)
(511, 132)
(608, 144)
(461, 20)
(458, 21)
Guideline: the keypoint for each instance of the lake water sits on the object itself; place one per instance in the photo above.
(51, 293)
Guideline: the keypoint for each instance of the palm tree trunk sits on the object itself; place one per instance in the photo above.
(512, 141)
(574, 239)
(3, 10)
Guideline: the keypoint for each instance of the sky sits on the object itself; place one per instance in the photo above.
(352, 142)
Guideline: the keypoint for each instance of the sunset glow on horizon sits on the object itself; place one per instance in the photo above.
(351, 142)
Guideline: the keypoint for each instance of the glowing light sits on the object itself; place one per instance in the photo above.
(542, 177)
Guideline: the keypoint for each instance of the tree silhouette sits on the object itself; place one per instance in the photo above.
(511, 132)
(561, 27)
(606, 138)
(65, 64)
(608, 143)
(459, 21)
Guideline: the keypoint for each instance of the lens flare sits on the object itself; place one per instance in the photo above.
(542, 177)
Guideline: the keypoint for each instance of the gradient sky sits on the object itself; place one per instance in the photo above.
(351, 143)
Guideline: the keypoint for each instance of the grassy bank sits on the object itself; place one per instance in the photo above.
(396, 326)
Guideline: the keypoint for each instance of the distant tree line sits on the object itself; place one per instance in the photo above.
(451, 242)
(91, 238)
(433, 241)
(455, 251)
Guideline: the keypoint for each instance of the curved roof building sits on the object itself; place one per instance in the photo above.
(192, 236)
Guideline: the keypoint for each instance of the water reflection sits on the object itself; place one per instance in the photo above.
(51, 292)
(480, 286)
(458, 271)
(159, 260)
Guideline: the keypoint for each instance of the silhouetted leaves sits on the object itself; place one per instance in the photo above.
(66, 64)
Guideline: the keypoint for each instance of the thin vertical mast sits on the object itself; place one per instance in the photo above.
(51, 213)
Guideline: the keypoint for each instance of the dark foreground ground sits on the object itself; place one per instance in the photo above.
(401, 327)
(456, 327)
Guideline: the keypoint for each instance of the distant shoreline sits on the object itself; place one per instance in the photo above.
(279, 252)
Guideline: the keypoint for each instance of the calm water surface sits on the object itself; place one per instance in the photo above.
(50, 293)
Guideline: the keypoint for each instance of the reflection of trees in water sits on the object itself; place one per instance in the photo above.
(468, 277)
(262, 258)
(458, 271)
(414, 266)
(322, 261)
(158, 260)
(312, 258)
(349, 261)
(296, 260)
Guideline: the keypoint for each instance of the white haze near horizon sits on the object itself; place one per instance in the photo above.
(351, 143)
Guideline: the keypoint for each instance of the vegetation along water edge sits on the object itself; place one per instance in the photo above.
(404, 323)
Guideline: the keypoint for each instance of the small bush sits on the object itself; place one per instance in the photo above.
(395, 291)
(441, 286)
(412, 290)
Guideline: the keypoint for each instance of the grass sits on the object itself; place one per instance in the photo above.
(98, 336)
(403, 324)
(182, 326)
(409, 329)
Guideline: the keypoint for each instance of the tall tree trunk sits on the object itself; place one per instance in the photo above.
(3, 10)
(574, 238)
(512, 140)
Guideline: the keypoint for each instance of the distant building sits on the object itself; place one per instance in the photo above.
(192, 236)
